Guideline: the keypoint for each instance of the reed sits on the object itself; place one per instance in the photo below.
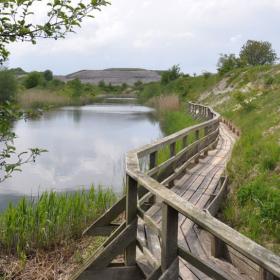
(165, 103)
(51, 220)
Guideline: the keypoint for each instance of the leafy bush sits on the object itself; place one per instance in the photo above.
(228, 62)
(48, 75)
(172, 74)
(33, 79)
(8, 86)
(76, 87)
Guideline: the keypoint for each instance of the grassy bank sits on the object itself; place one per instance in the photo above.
(250, 98)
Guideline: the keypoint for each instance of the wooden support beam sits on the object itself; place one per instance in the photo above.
(131, 216)
(265, 275)
(210, 270)
(172, 149)
(197, 148)
(110, 215)
(104, 255)
(169, 237)
(218, 247)
(155, 275)
(172, 272)
(153, 160)
(185, 141)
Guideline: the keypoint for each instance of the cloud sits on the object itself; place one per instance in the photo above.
(156, 34)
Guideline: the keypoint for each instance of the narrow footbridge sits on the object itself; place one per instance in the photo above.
(175, 187)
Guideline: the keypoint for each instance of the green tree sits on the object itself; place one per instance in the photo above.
(33, 79)
(76, 87)
(48, 75)
(228, 62)
(18, 23)
(8, 86)
(258, 53)
(171, 74)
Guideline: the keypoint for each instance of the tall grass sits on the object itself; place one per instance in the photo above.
(41, 98)
(51, 220)
(165, 103)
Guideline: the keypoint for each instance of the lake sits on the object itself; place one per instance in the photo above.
(86, 145)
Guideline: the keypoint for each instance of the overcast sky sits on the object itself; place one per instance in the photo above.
(156, 34)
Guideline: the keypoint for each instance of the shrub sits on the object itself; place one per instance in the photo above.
(170, 75)
(102, 84)
(33, 79)
(76, 87)
(48, 75)
(227, 62)
(8, 86)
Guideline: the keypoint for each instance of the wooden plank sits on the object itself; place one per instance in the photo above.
(141, 232)
(115, 234)
(244, 245)
(143, 263)
(113, 273)
(148, 255)
(107, 217)
(153, 243)
(103, 230)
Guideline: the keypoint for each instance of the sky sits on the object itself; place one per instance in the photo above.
(156, 34)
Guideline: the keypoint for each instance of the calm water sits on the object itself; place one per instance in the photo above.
(85, 145)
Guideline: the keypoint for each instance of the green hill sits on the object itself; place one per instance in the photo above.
(250, 97)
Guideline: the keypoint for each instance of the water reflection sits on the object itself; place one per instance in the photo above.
(86, 145)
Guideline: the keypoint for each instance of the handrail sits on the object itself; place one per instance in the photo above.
(174, 204)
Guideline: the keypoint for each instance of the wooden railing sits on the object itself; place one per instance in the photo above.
(153, 182)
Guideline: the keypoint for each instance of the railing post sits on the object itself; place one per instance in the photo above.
(218, 247)
(265, 275)
(172, 148)
(131, 216)
(197, 148)
(153, 159)
(169, 251)
(205, 134)
(185, 141)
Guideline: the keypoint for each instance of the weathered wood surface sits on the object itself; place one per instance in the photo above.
(198, 186)
(213, 168)
(113, 273)
(176, 209)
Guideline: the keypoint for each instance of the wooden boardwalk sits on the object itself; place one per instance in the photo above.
(199, 186)
(170, 230)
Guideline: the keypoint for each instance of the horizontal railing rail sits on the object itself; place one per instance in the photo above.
(142, 184)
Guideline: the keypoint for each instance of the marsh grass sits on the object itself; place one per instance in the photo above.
(165, 103)
(51, 220)
(43, 98)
